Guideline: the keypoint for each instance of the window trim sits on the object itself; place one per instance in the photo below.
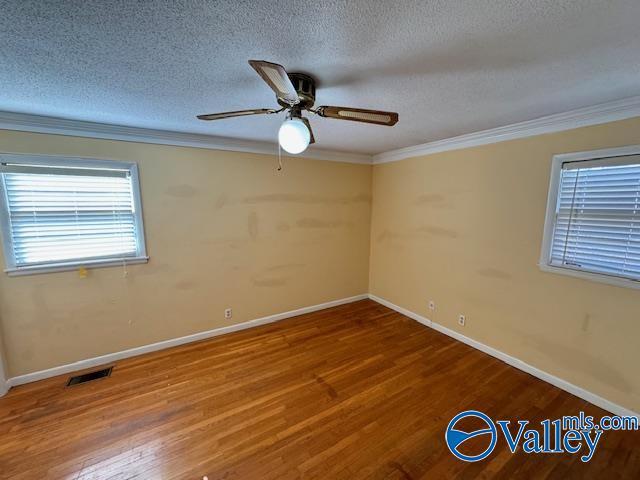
(549, 223)
(80, 162)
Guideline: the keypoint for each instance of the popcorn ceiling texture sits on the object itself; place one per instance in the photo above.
(448, 67)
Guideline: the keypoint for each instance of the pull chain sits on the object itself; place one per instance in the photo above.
(279, 158)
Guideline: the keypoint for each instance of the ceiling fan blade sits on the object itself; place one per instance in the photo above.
(306, 122)
(237, 113)
(376, 117)
(276, 77)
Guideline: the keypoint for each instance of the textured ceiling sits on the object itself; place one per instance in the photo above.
(448, 67)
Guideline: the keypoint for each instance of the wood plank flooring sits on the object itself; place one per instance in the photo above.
(353, 392)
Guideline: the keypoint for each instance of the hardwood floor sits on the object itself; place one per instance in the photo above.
(356, 391)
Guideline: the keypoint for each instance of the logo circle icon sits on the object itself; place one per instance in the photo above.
(455, 438)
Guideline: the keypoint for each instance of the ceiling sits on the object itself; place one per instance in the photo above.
(449, 67)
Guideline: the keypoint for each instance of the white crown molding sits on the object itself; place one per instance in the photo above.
(513, 361)
(79, 128)
(582, 117)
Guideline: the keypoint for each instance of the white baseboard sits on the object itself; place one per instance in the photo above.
(514, 362)
(174, 342)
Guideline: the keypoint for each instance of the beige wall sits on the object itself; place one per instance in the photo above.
(464, 228)
(223, 229)
(3, 369)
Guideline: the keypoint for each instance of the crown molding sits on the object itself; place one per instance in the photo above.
(581, 117)
(79, 128)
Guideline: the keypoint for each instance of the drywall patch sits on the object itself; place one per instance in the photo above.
(276, 275)
(306, 199)
(318, 223)
(153, 268)
(231, 242)
(181, 191)
(494, 273)
(432, 199)
(422, 232)
(38, 297)
(384, 235)
(286, 266)
(389, 239)
(437, 231)
(185, 285)
(308, 242)
(221, 201)
(580, 361)
(252, 225)
(360, 198)
(270, 282)
(27, 354)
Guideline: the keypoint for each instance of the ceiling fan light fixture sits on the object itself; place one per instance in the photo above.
(294, 136)
(296, 93)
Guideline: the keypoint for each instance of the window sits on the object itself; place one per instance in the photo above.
(62, 213)
(593, 216)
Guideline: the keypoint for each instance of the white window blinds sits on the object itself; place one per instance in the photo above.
(597, 222)
(61, 215)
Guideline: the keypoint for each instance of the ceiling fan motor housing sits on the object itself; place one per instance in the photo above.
(305, 86)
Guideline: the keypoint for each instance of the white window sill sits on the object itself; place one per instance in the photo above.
(75, 265)
(594, 277)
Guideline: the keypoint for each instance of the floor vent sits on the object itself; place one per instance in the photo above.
(87, 377)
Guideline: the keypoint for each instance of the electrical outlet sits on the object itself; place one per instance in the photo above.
(432, 305)
(228, 313)
(462, 320)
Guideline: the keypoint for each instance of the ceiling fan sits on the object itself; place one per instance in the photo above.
(296, 92)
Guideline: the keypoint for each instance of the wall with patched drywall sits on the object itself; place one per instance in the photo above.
(464, 228)
(223, 229)
(4, 387)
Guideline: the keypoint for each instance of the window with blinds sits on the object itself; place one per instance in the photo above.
(59, 213)
(597, 217)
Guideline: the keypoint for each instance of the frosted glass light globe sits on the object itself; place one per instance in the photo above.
(294, 136)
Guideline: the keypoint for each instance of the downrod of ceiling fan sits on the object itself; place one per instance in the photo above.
(294, 112)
